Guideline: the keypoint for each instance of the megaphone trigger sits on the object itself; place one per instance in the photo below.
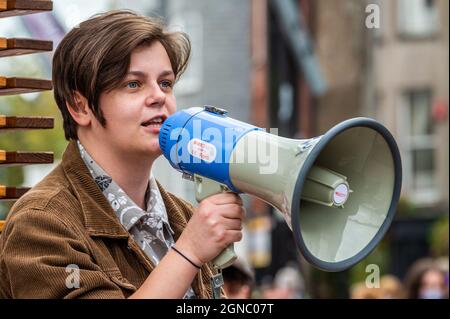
(205, 187)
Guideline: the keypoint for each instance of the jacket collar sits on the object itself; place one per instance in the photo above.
(99, 217)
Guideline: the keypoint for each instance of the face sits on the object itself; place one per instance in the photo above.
(432, 285)
(135, 111)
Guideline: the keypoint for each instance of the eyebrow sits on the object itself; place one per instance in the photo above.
(166, 73)
(144, 75)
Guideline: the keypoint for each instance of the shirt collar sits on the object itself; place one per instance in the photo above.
(126, 210)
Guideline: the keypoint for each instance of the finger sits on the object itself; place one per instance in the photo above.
(226, 198)
(230, 211)
(230, 223)
(233, 236)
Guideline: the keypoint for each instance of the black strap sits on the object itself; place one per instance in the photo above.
(182, 255)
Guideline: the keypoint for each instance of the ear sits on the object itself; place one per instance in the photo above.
(80, 112)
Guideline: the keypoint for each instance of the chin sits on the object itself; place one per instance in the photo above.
(153, 150)
(150, 145)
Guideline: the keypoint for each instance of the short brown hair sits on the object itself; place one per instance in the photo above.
(95, 56)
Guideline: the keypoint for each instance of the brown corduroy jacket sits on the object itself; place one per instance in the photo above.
(64, 224)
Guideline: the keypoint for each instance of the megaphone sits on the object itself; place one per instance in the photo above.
(337, 192)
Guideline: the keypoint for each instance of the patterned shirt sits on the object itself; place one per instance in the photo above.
(150, 228)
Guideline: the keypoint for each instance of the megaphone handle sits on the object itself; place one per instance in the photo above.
(205, 187)
(226, 258)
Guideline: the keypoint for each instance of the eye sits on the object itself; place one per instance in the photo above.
(133, 84)
(166, 84)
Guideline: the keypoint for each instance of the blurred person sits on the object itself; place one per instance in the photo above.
(100, 225)
(238, 280)
(287, 284)
(425, 280)
(360, 290)
(390, 288)
(442, 263)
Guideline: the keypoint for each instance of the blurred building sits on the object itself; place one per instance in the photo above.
(410, 57)
(396, 73)
(343, 46)
(219, 70)
(410, 94)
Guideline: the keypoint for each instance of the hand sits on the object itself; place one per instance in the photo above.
(216, 223)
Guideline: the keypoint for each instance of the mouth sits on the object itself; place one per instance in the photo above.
(155, 122)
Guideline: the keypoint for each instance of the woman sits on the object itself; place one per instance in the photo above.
(425, 280)
(99, 226)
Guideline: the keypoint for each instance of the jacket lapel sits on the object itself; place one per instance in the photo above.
(100, 219)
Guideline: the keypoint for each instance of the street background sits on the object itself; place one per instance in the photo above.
(382, 59)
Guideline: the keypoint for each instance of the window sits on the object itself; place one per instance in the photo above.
(419, 145)
(417, 18)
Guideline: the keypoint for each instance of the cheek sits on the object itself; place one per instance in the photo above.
(119, 123)
(171, 104)
(121, 114)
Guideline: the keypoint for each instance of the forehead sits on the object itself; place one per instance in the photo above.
(150, 56)
(433, 275)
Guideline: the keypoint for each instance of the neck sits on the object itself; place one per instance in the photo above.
(130, 172)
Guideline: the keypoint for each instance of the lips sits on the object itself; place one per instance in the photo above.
(155, 121)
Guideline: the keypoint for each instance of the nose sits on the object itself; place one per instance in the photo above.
(156, 96)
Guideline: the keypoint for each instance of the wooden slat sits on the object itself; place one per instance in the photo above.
(23, 158)
(18, 46)
(11, 123)
(10, 86)
(9, 8)
(12, 193)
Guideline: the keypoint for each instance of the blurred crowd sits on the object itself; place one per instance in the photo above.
(427, 278)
